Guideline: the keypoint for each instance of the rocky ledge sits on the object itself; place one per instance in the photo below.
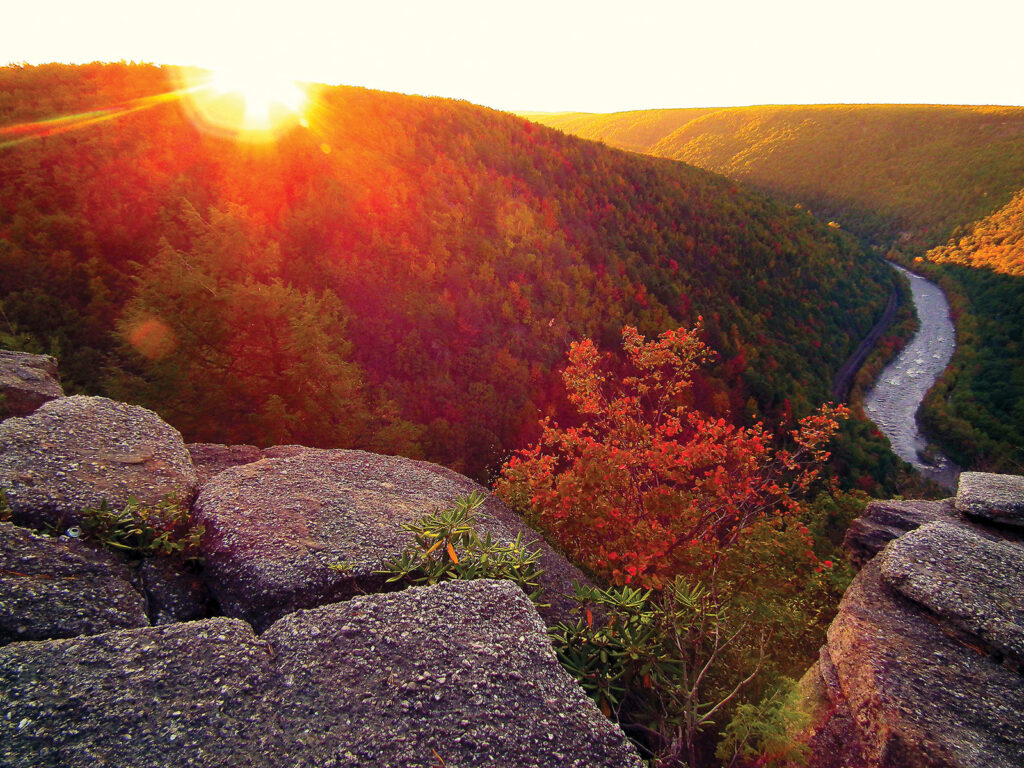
(271, 654)
(922, 666)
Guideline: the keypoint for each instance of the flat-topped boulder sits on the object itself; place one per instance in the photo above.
(179, 695)
(999, 498)
(883, 521)
(53, 587)
(26, 382)
(73, 453)
(317, 526)
(459, 674)
(973, 583)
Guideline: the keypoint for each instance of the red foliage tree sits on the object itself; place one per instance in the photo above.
(646, 487)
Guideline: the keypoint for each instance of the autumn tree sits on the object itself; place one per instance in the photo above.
(644, 487)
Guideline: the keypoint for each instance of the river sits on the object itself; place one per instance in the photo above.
(893, 401)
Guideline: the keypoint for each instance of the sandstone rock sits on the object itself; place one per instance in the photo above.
(883, 521)
(74, 452)
(460, 672)
(999, 498)
(831, 738)
(918, 695)
(26, 382)
(274, 529)
(60, 588)
(180, 695)
(210, 459)
(975, 584)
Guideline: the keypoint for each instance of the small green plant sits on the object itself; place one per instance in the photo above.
(446, 546)
(139, 530)
(658, 662)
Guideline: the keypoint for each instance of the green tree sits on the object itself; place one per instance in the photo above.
(226, 351)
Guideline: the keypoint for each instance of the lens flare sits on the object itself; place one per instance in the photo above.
(249, 104)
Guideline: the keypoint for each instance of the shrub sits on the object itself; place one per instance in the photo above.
(446, 546)
(139, 530)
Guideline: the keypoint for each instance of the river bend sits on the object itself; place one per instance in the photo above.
(893, 401)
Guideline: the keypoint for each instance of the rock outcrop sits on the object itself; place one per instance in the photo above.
(459, 674)
(210, 459)
(76, 452)
(884, 521)
(922, 666)
(317, 527)
(26, 382)
(61, 588)
(998, 498)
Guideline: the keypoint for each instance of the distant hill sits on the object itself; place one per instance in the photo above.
(402, 274)
(636, 131)
(881, 171)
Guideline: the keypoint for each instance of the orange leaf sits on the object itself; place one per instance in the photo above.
(451, 553)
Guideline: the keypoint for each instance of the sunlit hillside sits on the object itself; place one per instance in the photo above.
(995, 242)
(636, 131)
(398, 273)
(881, 171)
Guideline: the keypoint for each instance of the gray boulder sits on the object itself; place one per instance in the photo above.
(317, 526)
(26, 382)
(460, 674)
(75, 452)
(883, 521)
(999, 498)
(973, 583)
(61, 588)
(179, 695)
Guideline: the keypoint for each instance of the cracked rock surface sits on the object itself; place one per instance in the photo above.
(461, 671)
(56, 587)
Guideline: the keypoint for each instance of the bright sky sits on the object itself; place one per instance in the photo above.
(561, 55)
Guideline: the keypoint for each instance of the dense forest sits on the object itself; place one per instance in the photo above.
(883, 172)
(904, 179)
(400, 273)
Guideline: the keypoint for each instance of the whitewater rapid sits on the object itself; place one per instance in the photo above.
(895, 397)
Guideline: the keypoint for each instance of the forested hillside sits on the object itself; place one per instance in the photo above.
(400, 273)
(995, 242)
(881, 171)
(909, 177)
(636, 131)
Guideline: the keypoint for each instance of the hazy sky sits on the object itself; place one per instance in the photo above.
(592, 56)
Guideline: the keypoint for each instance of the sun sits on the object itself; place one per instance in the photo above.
(251, 103)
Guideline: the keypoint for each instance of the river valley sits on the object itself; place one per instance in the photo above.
(897, 394)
